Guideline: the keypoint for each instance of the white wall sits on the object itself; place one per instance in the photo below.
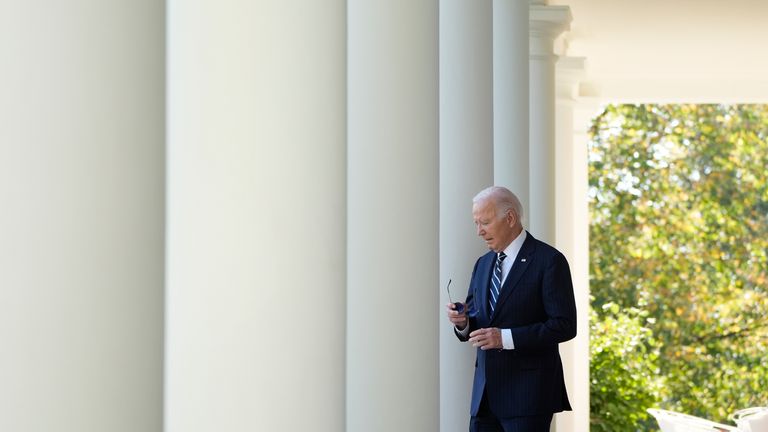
(81, 225)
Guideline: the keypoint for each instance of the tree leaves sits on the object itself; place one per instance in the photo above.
(623, 361)
(679, 207)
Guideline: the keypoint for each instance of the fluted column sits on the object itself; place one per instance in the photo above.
(572, 230)
(256, 216)
(81, 225)
(393, 298)
(511, 97)
(546, 23)
(466, 167)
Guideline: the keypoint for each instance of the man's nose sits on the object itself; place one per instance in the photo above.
(479, 230)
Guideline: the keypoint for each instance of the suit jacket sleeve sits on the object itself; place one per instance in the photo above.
(471, 309)
(559, 307)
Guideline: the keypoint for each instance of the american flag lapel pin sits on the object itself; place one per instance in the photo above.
(522, 260)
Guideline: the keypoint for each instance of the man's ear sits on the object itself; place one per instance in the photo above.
(511, 217)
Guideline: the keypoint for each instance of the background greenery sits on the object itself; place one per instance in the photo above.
(678, 268)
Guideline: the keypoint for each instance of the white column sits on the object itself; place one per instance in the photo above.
(393, 300)
(466, 167)
(547, 22)
(256, 216)
(510, 97)
(572, 228)
(81, 226)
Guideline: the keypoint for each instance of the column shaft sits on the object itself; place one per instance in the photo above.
(256, 215)
(392, 297)
(81, 226)
(572, 233)
(583, 114)
(547, 22)
(510, 97)
(466, 167)
(542, 153)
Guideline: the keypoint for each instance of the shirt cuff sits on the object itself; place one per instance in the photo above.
(463, 333)
(506, 339)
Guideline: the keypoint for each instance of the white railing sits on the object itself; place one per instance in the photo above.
(753, 419)
(671, 421)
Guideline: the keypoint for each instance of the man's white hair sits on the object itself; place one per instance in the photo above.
(504, 200)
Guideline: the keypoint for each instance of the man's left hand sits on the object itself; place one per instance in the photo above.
(486, 338)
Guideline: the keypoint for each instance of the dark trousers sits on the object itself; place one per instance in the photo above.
(486, 421)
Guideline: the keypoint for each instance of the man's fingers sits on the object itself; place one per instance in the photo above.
(482, 338)
(479, 332)
(477, 337)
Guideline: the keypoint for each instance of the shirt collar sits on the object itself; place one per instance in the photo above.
(514, 247)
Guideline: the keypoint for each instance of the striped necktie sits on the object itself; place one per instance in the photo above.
(496, 281)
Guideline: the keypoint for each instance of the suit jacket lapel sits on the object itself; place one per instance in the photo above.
(521, 263)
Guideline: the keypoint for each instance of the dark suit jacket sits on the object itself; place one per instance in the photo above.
(537, 304)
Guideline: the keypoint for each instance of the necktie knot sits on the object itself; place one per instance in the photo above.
(500, 257)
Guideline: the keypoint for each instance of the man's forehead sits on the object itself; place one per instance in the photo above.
(482, 207)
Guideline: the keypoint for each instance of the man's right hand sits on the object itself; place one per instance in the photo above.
(457, 319)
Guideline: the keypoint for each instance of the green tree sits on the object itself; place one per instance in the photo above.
(624, 362)
(679, 207)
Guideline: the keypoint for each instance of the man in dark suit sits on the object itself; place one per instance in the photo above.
(519, 307)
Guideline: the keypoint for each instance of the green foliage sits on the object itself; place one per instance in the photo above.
(624, 379)
(679, 207)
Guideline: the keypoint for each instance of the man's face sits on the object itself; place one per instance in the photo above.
(497, 232)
